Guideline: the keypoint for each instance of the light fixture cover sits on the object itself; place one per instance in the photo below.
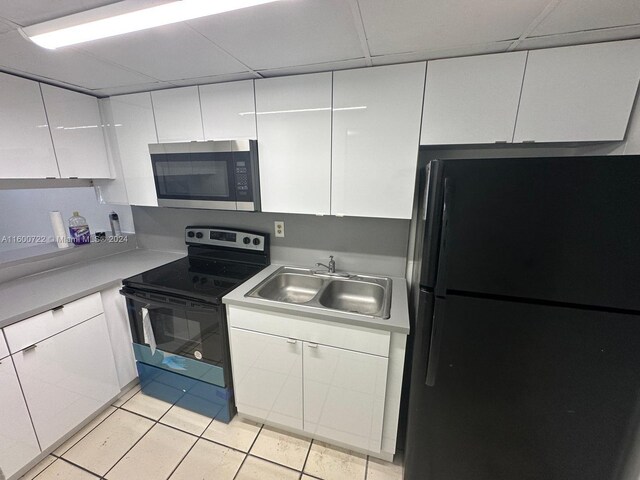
(119, 18)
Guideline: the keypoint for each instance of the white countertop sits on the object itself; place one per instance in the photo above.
(397, 322)
(38, 293)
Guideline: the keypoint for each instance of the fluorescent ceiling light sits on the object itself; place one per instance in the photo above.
(300, 110)
(118, 18)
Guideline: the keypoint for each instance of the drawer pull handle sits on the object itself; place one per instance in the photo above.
(59, 307)
(291, 341)
(30, 347)
(312, 345)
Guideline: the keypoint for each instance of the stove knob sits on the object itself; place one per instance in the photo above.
(199, 235)
(256, 241)
(246, 240)
(191, 234)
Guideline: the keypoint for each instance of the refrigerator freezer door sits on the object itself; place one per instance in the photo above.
(554, 229)
(525, 392)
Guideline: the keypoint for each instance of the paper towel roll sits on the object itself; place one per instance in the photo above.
(59, 231)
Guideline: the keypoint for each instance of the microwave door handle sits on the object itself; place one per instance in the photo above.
(147, 330)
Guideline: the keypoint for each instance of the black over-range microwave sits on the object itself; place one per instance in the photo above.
(221, 175)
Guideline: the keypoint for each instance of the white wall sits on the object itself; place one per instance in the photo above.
(26, 211)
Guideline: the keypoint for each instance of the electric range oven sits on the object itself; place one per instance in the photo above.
(178, 322)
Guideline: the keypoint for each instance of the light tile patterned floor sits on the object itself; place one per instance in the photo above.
(142, 438)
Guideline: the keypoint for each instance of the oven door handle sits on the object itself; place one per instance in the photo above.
(155, 304)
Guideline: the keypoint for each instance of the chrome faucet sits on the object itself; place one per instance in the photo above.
(331, 267)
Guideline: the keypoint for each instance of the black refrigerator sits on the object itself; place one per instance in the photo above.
(526, 342)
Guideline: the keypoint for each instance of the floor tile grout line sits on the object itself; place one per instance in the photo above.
(306, 459)
(366, 467)
(78, 466)
(38, 474)
(83, 437)
(274, 463)
(250, 447)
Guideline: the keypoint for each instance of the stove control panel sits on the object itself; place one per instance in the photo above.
(225, 238)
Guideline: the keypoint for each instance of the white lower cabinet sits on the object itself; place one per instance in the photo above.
(267, 376)
(18, 444)
(67, 377)
(321, 389)
(344, 394)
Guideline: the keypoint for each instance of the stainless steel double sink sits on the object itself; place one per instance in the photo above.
(359, 294)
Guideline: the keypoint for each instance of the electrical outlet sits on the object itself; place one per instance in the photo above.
(279, 226)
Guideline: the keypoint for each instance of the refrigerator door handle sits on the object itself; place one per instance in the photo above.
(441, 280)
(434, 346)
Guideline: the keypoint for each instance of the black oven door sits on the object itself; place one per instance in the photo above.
(187, 337)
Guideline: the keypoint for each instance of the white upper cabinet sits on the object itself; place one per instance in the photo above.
(578, 93)
(177, 114)
(472, 100)
(376, 130)
(294, 143)
(26, 150)
(76, 129)
(228, 110)
(135, 130)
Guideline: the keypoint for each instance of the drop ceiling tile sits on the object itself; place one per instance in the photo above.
(429, 25)
(314, 68)
(578, 15)
(67, 65)
(464, 51)
(285, 33)
(171, 52)
(28, 12)
(577, 38)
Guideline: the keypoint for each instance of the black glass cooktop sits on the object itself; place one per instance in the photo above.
(208, 280)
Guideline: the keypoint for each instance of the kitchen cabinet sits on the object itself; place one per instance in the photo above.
(313, 377)
(76, 130)
(344, 395)
(18, 443)
(376, 133)
(177, 115)
(117, 319)
(267, 376)
(472, 100)
(228, 110)
(26, 150)
(66, 377)
(294, 143)
(135, 130)
(578, 93)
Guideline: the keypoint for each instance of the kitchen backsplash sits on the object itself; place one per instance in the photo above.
(366, 245)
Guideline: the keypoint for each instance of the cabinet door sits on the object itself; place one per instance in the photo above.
(472, 99)
(344, 393)
(76, 129)
(135, 130)
(4, 349)
(294, 142)
(117, 317)
(26, 150)
(579, 93)
(376, 130)
(67, 377)
(228, 110)
(177, 114)
(18, 444)
(267, 376)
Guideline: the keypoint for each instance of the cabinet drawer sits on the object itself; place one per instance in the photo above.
(39, 327)
(4, 350)
(360, 339)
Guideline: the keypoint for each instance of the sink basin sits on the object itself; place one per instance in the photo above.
(357, 294)
(291, 288)
(353, 296)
